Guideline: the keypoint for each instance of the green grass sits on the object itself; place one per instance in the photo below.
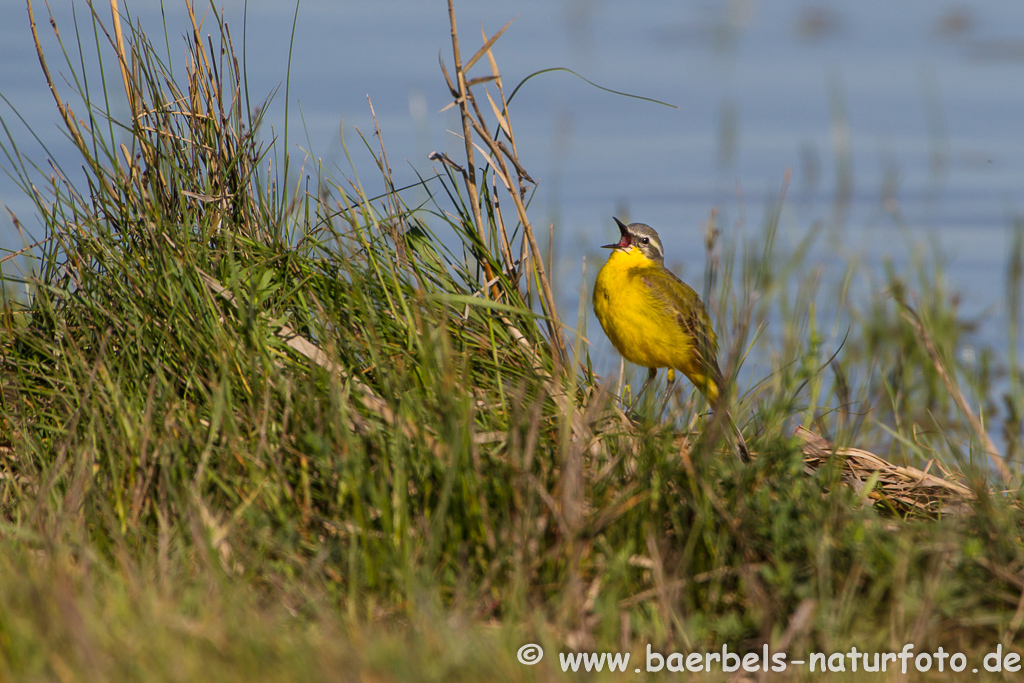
(260, 428)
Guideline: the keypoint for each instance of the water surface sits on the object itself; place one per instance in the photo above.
(899, 122)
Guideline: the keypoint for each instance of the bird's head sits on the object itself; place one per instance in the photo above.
(641, 237)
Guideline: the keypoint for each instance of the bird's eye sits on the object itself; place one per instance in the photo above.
(645, 240)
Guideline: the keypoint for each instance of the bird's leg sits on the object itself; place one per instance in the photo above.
(651, 372)
(669, 390)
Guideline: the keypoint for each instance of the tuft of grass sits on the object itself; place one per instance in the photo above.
(260, 426)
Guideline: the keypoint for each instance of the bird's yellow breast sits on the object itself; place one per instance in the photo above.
(642, 327)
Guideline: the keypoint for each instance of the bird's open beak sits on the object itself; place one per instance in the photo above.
(623, 243)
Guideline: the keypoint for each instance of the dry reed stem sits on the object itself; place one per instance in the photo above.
(122, 61)
(393, 222)
(954, 391)
(65, 109)
(463, 95)
(304, 347)
(907, 489)
(511, 268)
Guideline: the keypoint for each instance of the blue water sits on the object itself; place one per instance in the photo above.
(921, 103)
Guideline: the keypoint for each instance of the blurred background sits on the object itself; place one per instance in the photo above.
(901, 124)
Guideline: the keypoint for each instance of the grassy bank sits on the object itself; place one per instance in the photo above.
(261, 426)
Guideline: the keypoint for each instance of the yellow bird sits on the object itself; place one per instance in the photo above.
(654, 319)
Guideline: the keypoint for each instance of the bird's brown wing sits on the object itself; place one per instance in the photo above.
(692, 318)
